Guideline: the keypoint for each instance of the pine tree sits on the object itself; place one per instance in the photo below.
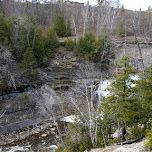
(144, 87)
(29, 62)
(50, 43)
(51, 39)
(68, 29)
(86, 46)
(121, 31)
(38, 46)
(3, 30)
(60, 26)
(122, 103)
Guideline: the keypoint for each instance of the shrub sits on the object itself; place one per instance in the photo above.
(68, 28)
(91, 48)
(29, 62)
(70, 45)
(148, 144)
(86, 46)
(121, 31)
(60, 26)
(77, 139)
(3, 30)
(62, 43)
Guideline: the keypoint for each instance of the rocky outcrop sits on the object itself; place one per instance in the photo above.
(28, 109)
(61, 73)
(27, 101)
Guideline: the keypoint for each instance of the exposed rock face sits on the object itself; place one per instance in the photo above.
(11, 77)
(23, 102)
(28, 109)
(61, 72)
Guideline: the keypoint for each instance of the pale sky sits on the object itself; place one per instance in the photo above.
(128, 4)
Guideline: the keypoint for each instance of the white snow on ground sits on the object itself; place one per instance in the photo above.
(135, 147)
(71, 118)
(52, 147)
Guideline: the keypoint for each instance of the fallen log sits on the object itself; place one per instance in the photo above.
(130, 142)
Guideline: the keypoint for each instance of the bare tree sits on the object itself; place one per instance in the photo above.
(107, 15)
(85, 16)
(84, 98)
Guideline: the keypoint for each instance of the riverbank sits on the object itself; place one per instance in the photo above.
(34, 138)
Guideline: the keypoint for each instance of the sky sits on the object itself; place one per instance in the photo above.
(128, 4)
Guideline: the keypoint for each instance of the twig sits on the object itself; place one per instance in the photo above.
(2, 114)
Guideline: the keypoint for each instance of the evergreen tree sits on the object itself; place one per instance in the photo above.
(29, 62)
(38, 46)
(3, 30)
(51, 39)
(60, 26)
(27, 32)
(68, 29)
(144, 87)
(86, 46)
(121, 31)
(50, 43)
(12, 22)
(91, 48)
(122, 103)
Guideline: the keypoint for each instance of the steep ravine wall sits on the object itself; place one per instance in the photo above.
(29, 109)
(25, 102)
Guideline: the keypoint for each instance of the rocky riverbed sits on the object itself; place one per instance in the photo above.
(45, 136)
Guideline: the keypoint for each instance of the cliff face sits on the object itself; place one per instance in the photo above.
(30, 108)
(28, 101)
(61, 72)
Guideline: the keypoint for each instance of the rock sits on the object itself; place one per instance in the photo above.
(44, 135)
(52, 129)
(29, 109)
(61, 72)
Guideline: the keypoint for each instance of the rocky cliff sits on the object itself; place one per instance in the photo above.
(26, 101)
(30, 108)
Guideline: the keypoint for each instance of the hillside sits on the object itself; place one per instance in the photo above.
(62, 59)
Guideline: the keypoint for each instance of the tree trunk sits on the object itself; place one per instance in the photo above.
(103, 137)
(118, 131)
(34, 40)
(0, 6)
(123, 134)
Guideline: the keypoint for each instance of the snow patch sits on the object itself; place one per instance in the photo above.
(52, 147)
(71, 118)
